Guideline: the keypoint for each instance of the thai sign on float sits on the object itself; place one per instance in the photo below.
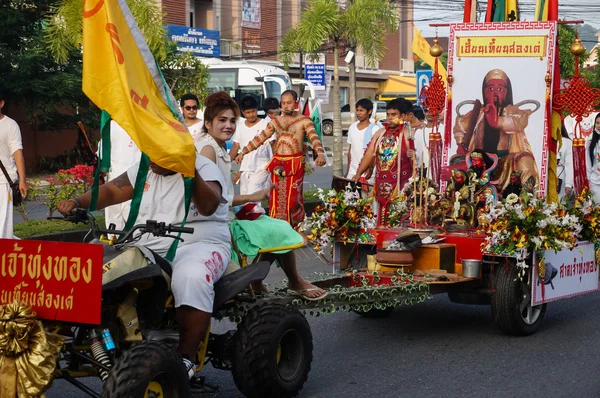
(60, 281)
(568, 273)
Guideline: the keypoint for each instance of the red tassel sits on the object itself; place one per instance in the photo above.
(579, 169)
(435, 154)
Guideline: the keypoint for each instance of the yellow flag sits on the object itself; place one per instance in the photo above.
(121, 77)
(420, 48)
(541, 10)
(512, 11)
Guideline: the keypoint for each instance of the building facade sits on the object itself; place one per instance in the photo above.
(252, 29)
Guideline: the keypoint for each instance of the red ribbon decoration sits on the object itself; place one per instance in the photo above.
(433, 98)
(579, 99)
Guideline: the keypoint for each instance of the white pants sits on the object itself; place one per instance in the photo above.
(196, 268)
(254, 181)
(6, 212)
(117, 214)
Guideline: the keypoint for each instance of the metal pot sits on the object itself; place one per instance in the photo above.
(471, 268)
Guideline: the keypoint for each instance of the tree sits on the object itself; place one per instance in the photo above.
(183, 72)
(366, 23)
(324, 23)
(566, 35)
(49, 91)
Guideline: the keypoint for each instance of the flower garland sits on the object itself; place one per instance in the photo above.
(586, 209)
(521, 225)
(340, 217)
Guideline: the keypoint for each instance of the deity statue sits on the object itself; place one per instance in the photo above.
(514, 186)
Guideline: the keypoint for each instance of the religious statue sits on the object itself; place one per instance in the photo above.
(514, 186)
(459, 193)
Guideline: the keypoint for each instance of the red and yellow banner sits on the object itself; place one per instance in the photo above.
(121, 77)
(60, 281)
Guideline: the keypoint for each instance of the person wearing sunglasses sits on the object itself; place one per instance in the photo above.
(189, 106)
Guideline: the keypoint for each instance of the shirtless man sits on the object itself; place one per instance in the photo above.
(287, 167)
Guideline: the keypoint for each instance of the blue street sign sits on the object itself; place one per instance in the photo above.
(315, 73)
(423, 78)
(200, 42)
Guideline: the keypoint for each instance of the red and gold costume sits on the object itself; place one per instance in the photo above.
(393, 167)
(287, 166)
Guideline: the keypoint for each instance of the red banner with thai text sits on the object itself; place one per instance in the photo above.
(60, 281)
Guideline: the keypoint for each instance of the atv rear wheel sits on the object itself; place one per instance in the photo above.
(272, 352)
(150, 370)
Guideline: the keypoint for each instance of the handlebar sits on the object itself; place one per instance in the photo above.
(153, 227)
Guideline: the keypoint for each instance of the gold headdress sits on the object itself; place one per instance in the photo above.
(495, 74)
(477, 155)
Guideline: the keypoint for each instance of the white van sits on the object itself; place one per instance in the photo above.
(241, 78)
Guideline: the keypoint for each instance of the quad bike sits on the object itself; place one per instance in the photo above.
(133, 349)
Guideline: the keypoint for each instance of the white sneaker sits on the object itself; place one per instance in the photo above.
(190, 367)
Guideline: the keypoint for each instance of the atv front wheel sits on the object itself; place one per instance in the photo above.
(150, 370)
(272, 352)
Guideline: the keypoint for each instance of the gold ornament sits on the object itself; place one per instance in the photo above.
(27, 353)
(542, 268)
(577, 48)
(597, 256)
(436, 50)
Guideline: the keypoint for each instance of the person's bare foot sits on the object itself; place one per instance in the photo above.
(307, 290)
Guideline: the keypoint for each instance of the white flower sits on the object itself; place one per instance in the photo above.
(512, 199)
(430, 191)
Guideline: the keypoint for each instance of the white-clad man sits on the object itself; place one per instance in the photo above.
(359, 137)
(11, 156)
(254, 177)
(123, 154)
(189, 106)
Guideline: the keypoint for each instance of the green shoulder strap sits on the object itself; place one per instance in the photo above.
(188, 184)
(138, 191)
(104, 160)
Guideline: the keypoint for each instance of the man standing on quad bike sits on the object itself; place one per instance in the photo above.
(201, 259)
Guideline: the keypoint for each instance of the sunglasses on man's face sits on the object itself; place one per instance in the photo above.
(189, 108)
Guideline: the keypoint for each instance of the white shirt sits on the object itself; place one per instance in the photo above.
(259, 158)
(223, 163)
(123, 151)
(592, 167)
(565, 167)
(10, 142)
(163, 201)
(196, 130)
(356, 139)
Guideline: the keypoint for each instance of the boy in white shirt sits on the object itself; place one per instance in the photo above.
(253, 177)
(359, 136)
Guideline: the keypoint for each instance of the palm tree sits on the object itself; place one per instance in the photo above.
(363, 23)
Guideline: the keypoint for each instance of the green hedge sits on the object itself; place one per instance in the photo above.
(44, 227)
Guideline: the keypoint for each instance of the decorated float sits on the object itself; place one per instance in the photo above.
(482, 221)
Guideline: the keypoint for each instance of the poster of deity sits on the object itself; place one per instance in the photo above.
(501, 77)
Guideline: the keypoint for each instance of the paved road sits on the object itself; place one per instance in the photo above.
(440, 349)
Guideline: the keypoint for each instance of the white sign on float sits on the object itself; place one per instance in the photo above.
(323, 94)
(568, 273)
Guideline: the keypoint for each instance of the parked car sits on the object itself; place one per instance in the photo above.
(347, 118)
